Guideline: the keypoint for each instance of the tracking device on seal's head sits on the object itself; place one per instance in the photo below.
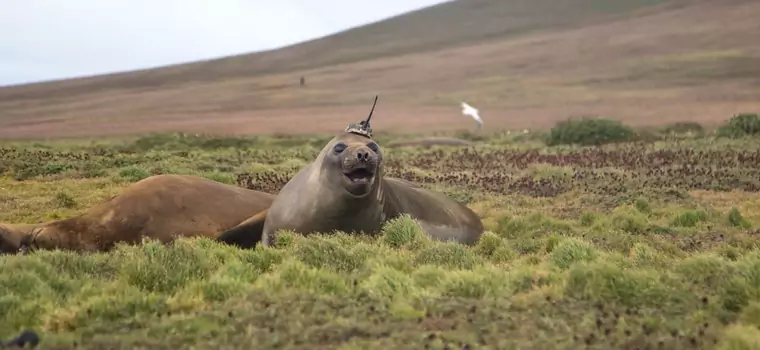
(363, 127)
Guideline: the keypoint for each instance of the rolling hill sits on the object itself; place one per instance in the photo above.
(523, 63)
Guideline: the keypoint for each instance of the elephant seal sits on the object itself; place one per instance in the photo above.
(344, 189)
(161, 207)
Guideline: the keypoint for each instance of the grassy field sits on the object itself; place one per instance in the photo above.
(643, 245)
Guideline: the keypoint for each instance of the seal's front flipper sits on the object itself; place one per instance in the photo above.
(246, 234)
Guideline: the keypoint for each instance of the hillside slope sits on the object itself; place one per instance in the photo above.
(524, 63)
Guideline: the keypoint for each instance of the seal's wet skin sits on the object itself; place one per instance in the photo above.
(344, 189)
(161, 207)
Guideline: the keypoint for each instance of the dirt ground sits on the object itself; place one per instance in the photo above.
(679, 61)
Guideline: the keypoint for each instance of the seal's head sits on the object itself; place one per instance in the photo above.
(355, 157)
(358, 161)
(6, 246)
(9, 239)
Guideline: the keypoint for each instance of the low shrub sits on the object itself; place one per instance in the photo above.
(740, 125)
(589, 131)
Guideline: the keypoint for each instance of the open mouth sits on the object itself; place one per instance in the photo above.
(359, 175)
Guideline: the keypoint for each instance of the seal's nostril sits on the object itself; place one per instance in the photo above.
(362, 155)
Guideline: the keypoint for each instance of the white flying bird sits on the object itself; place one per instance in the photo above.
(473, 113)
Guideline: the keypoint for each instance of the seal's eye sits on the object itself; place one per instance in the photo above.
(374, 147)
(339, 148)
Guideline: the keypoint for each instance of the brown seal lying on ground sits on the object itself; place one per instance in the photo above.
(161, 207)
(344, 189)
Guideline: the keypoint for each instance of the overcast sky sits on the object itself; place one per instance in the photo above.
(53, 39)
